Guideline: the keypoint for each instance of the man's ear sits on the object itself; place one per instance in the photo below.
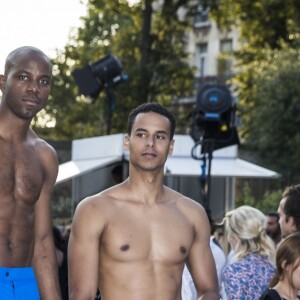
(126, 142)
(2, 82)
(291, 223)
(171, 147)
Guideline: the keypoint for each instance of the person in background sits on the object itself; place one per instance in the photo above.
(117, 174)
(216, 249)
(29, 167)
(219, 257)
(273, 228)
(66, 233)
(62, 261)
(254, 251)
(133, 239)
(289, 210)
(188, 291)
(286, 281)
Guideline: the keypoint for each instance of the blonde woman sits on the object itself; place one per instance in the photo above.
(286, 281)
(252, 268)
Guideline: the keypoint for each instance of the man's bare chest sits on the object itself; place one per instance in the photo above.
(156, 237)
(21, 174)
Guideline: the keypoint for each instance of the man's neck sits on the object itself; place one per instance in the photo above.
(12, 128)
(147, 188)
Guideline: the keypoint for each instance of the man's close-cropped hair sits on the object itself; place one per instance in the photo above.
(274, 214)
(292, 203)
(152, 107)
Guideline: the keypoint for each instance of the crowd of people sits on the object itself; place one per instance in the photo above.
(262, 253)
(138, 239)
(251, 267)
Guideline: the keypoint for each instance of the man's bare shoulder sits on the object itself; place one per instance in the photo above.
(192, 209)
(95, 212)
(43, 148)
(182, 200)
(104, 200)
(47, 155)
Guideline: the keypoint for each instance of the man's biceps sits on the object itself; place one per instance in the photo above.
(85, 236)
(86, 227)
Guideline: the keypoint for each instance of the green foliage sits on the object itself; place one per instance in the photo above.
(262, 23)
(151, 46)
(246, 198)
(269, 102)
(269, 203)
(267, 84)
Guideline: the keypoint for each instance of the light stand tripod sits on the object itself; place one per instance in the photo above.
(207, 148)
(111, 106)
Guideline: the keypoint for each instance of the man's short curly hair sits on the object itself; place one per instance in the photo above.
(152, 107)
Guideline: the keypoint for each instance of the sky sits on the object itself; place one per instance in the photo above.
(44, 24)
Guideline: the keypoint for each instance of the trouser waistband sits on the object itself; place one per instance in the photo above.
(16, 273)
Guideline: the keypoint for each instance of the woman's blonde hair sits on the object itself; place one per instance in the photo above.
(247, 225)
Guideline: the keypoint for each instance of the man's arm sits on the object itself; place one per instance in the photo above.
(44, 256)
(200, 260)
(83, 252)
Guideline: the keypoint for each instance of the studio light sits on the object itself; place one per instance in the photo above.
(94, 77)
(213, 127)
(103, 74)
(214, 117)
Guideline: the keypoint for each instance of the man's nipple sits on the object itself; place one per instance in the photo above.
(124, 247)
(182, 250)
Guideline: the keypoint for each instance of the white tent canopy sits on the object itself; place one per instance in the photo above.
(93, 153)
(75, 168)
(224, 162)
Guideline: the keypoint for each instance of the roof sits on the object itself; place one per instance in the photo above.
(75, 168)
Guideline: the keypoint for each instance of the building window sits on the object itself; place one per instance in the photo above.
(201, 17)
(225, 62)
(226, 46)
(202, 59)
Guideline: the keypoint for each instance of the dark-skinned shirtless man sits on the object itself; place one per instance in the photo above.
(29, 166)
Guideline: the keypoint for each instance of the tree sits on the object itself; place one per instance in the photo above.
(262, 23)
(149, 42)
(273, 123)
(267, 81)
(268, 203)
